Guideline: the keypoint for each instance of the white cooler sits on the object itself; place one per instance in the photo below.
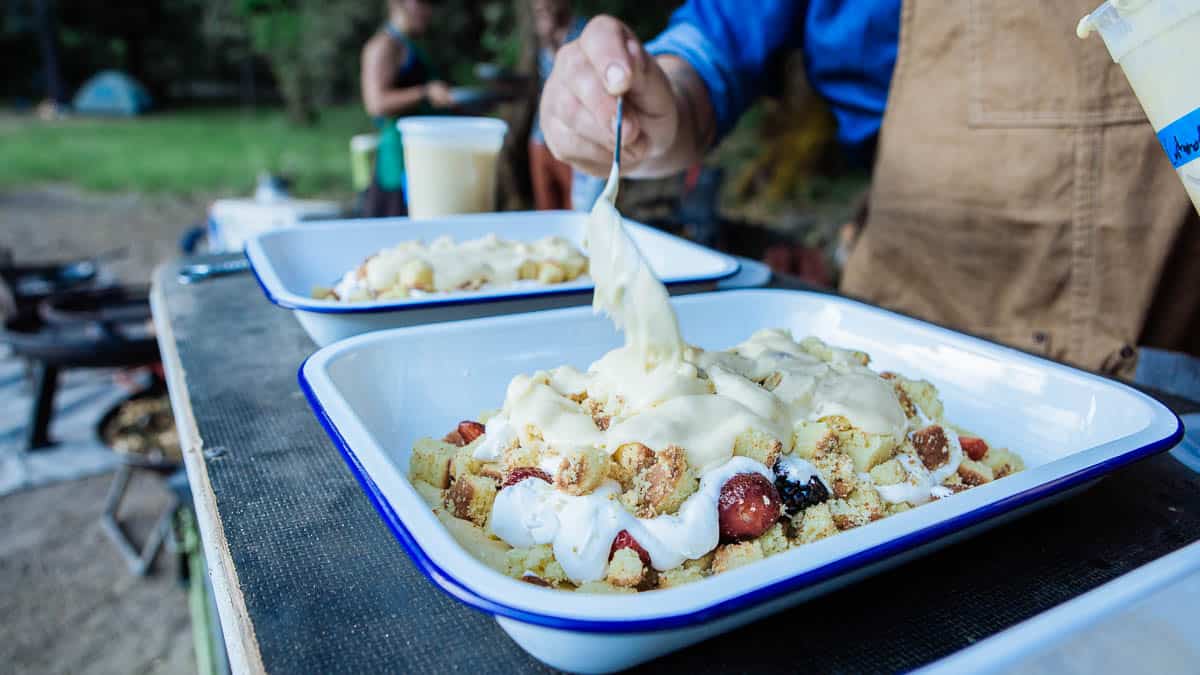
(233, 221)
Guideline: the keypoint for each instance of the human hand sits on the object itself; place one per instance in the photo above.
(438, 94)
(579, 104)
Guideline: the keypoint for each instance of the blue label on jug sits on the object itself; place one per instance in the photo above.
(1181, 138)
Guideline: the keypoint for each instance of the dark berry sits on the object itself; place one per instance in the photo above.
(799, 496)
(521, 473)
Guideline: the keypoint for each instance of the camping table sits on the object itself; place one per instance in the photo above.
(309, 579)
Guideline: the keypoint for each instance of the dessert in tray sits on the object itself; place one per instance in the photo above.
(414, 269)
(664, 463)
(605, 481)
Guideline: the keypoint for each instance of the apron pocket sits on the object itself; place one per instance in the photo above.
(1024, 60)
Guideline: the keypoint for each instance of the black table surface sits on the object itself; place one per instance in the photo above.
(319, 584)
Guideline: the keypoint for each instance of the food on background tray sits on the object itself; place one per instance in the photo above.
(665, 463)
(413, 268)
(143, 427)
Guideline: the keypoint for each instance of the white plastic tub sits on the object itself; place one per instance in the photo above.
(376, 394)
(290, 263)
(450, 163)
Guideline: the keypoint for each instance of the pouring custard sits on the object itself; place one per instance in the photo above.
(665, 463)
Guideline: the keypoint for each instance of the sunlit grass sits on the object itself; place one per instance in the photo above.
(186, 152)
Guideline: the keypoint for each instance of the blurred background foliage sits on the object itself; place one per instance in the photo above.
(302, 51)
(243, 86)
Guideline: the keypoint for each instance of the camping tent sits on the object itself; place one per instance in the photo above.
(112, 92)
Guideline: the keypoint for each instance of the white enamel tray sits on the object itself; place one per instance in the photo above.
(289, 263)
(1142, 621)
(376, 394)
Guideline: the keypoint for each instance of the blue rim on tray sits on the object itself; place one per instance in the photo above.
(451, 585)
(731, 268)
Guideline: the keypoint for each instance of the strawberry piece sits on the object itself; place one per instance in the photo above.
(454, 438)
(470, 430)
(975, 448)
(521, 473)
(626, 540)
(748, 506)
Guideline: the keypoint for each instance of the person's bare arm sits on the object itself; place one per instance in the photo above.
(697, 120)
(379, 63)
(669, 119)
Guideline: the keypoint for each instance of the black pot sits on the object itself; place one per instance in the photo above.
(31, 284)
(145, 461)
(105, 328)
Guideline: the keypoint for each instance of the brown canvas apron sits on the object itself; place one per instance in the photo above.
(1020, 194)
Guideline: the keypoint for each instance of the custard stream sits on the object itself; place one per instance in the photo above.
(660, 392)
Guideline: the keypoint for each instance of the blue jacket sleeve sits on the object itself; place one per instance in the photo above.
(849, 53)
(731, 43)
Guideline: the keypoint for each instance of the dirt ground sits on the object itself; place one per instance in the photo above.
(52, 223)
(69, 604)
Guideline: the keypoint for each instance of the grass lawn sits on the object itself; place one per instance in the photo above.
(204, 151)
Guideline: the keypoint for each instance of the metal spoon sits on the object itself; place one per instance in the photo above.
(614, 174)
(620, 121)
(190, 274)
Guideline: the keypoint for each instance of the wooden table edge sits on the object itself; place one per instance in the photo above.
(236, 625)
(238, 630)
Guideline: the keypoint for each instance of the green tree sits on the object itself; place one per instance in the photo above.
(312, 46)
(306, 43)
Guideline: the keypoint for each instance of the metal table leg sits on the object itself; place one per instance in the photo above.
(45, 386)
(138, 561)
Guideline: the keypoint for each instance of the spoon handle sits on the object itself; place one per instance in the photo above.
(189, 274)
(620, 121)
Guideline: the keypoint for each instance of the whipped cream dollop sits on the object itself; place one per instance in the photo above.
(498, 436)
(799, 471)
(352, 287)
(921, 484)
(581, 529)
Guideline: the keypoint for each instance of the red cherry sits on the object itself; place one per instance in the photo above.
(748, 506)
(626, 540)
(975, 448)
(469, 430)
(521, 473)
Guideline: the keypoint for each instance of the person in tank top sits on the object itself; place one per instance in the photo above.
(397, 78)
